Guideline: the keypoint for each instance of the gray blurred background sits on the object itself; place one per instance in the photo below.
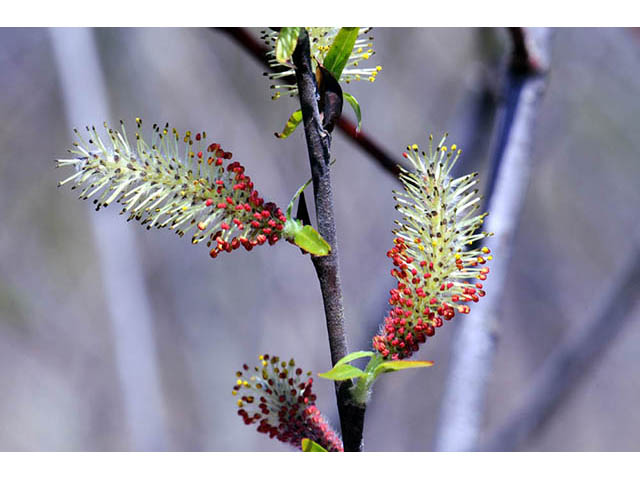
(60, 386)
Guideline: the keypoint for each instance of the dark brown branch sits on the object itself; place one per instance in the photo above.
(572, 360)
(327, 267)
(259, 51)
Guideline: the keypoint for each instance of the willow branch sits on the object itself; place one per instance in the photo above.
(475, 344)
(327, 267)
(259, 51)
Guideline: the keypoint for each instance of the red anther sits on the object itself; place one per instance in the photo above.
(427, 275)
(430, 331)
(482, 277)
(255, 224)
(266, 214)
(482, 293)
(266, 231)
(235, 243)
(220, 182)
(199, 154)
(236, 221)
(224, 226)
(227, 155)
(213, 147)
(484, 270)
(213, 253)
(442, 287)
(209, 202)
(261, 239)
(430, 265)
(280, 227)
(201, 226)
(218, 162)
(257, 216)
(433, 301)
(239, 186)
(272, 223)
(222, 205)
(404, 154)
(455, 298)
(449, 285)
(478, 285)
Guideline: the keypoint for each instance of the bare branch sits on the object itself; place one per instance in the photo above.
(572, 360)
(474, 346)
(128, 305)
(327, 267)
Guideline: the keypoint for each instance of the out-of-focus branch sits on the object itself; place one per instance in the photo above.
(85, 99)
(474, 346)
(327, 267)
(258, 51)
(573, 359)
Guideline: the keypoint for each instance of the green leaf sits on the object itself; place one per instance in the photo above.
(354, 356)
(291, 125)
(393, 365)
(342, 372)
(340, 50)
(311, 446)
(356, 107)
(286, 43)
(308, 239)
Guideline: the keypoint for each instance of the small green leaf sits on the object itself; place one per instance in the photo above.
(354, 356)
(342, 372)
(340, 50)
(311, 446)
(286, 43)
(356, 107)
(308, 239)
(291, 125)
(393, 365)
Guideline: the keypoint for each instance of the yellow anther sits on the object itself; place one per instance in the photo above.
(365, 56)
(444, 148)
(434, 243)
(414, 147)
(490, 257)
(234, 392)
(239, 382)
(457, 256)
(264, 363)
(359, 50)
(421, 248)
(245, 383)
(240, 403)
(372, 79)
(357, 77)
(378, 68)
(454, 147)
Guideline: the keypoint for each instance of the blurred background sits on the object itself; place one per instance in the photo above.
(69, 373)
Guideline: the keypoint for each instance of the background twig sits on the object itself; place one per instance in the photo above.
(327, 267)
(125, 293)
(573, 359)
(474, 347)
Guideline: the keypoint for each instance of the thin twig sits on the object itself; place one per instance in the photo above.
(128, 305)
(572, 360)
(259, 51)
(474, 347)
(327, 267)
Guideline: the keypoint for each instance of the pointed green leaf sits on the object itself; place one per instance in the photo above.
(308, 239)
(354, 356)
(393, 365)
(342, 372)
(291, 125)
(356, 107)
(340, 50)
(286, 43)
(311, 446)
